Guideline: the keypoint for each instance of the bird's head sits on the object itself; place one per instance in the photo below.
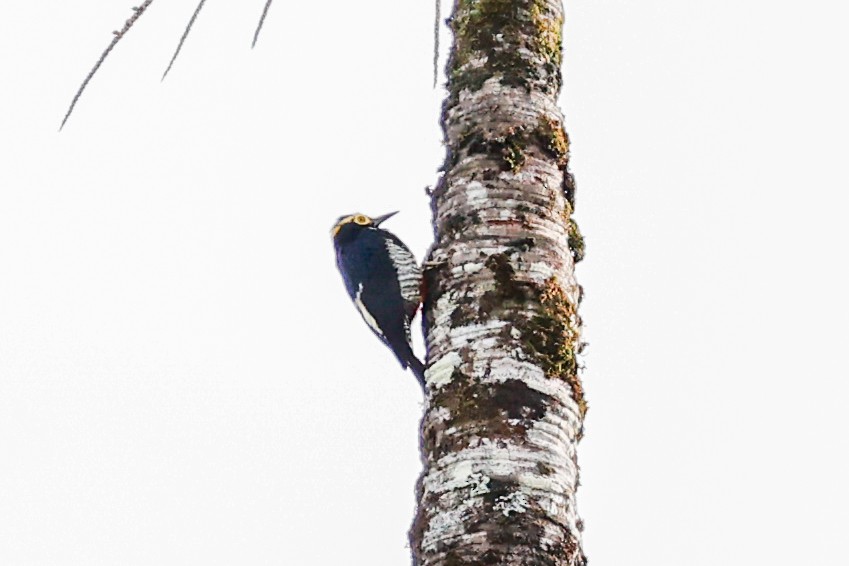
(349, 226)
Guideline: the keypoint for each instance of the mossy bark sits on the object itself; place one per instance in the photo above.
(505, 404)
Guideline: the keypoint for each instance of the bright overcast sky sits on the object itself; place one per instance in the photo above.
(184, 381)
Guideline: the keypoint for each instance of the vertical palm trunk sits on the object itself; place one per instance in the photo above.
(505, 406)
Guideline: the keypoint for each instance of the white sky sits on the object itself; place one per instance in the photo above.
(184, 381)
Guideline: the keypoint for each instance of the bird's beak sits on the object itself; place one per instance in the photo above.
(380, 219)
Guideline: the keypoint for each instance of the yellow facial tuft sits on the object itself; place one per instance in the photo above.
(360, 219)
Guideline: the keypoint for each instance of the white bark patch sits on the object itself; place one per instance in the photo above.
(440, 372)
(476, 191)
(463, 475)
(461, 478)
(463, 335)
(440, 414)
(517, 104)
(468, 268)
(449, 524)
(460, 473)
(541, 271)
(480, 484)
(515, 502)
(445, 305)
(465, 254)
(484, 344)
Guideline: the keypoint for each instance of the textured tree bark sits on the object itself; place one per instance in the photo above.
(505, 407)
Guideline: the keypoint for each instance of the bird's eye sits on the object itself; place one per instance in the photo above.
(362, 220)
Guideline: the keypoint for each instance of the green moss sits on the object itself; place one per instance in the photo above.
(576, 240)
(569, 189)
(513, 152)
(517, 41)
(551, 338)
(481, 26)
(549, 33)
(512, 148)
(552, 137)
(509, 149)
(548, 39)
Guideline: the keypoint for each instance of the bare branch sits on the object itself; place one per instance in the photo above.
(183, 39)
(261, 21)
(137, 12)
(438, 16)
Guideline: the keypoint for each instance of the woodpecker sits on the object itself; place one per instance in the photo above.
(383, 279)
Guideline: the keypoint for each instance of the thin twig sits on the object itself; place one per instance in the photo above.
(436, 22)
(137, 12)
(183, 39)
(261, 21)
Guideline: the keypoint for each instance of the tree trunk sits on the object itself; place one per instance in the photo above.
(505, 407)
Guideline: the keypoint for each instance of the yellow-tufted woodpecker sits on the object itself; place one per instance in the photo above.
(383, 279)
